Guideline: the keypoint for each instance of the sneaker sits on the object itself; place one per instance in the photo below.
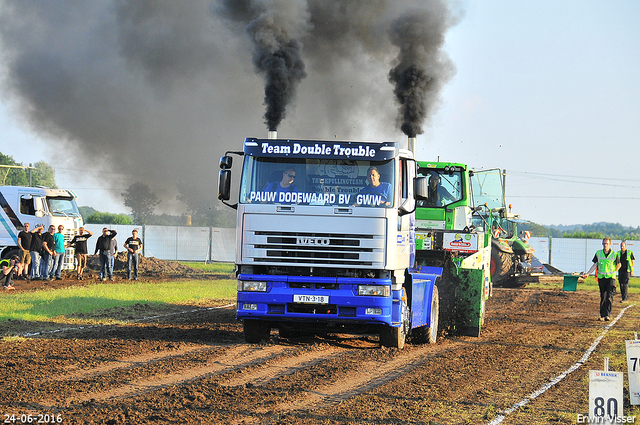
(58, 278)
(601, 319)
(606, 319)
(9, 287)
(110, 278)
(102, 279)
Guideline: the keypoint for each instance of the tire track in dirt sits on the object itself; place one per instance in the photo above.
(279, 361)
(369, 375)
(75, 374)
(234, 358)
(277, 368)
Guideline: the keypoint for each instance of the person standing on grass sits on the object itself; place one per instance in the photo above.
(113, 251)
(47, 253)
(606, 263)
(103, 247)
(134, 246)
(79, 242)
(58, 252)
(35, 248)
(627, 262)
(24, 243)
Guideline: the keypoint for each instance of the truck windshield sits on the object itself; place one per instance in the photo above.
(312, 181)
(63, 206)
(444, 187)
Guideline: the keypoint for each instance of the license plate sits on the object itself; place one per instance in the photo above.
(311, 299)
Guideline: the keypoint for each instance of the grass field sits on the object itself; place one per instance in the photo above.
(62, 305)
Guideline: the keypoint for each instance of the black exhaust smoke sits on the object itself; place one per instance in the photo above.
(421, 68)
(275, 28)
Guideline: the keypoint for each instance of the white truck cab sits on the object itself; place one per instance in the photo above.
(35, 205)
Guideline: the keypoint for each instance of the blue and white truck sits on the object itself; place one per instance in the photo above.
(324, 247)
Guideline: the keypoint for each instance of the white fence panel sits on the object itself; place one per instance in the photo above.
(223, 244)
(569, 254)
(160, 242)
(541, 246)
(193, 243)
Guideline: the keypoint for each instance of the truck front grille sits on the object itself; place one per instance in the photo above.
(314, 248)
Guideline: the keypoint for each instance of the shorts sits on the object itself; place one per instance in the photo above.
(25, 257)
(82, 260)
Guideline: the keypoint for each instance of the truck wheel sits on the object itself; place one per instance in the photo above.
(256, 331)
(288, 333)
(429, 334)
(11, 253)
(501, 263)
(395, 337)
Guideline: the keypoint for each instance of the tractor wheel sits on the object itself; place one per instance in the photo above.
(256, 331)
(501, 263)
(395, 337)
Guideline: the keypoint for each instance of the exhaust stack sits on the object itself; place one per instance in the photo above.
(272, 134)
(412, 145)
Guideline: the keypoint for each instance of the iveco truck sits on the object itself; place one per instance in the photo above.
(326, 240)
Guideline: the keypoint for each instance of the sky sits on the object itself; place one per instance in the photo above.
(546, 90)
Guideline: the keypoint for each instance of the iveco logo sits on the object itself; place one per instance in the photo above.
(312, 241)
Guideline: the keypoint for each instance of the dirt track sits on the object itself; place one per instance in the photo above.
(193, 367)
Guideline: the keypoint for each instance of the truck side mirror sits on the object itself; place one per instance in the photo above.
(421, 187)
(226, 162)
(39, 213)
(224, 184)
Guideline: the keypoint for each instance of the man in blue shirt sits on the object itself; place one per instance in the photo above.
(376, 187)
(285, 185)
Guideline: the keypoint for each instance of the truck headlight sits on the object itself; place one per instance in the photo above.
(374, 290)
(252, 286)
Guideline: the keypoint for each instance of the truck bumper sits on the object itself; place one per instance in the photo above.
(317, 300)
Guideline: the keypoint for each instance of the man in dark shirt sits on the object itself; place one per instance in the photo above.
(103, 248)
(35, 248)
(133, 245)
(79, 242)
(627, 263)
(24, 258)
(48, 246)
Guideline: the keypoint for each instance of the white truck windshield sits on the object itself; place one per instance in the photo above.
(62, 206)
(312, 181)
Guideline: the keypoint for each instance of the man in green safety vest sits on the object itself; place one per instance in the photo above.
(627, 262)
(607, 263)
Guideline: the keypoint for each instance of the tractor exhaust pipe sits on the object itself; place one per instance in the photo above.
(272, 134)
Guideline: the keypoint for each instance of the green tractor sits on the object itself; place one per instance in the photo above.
(511, 254)
(454, 232)
(464, 227)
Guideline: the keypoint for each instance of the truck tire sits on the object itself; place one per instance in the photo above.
(11, 253)
(256, 331)
(501, 263)
(395, 337)
(287, 333)
(429, 334)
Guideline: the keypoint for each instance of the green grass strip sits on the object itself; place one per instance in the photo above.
(44, 305)
(211, 267)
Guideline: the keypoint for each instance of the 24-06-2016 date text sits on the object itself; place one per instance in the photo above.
(40, 418)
